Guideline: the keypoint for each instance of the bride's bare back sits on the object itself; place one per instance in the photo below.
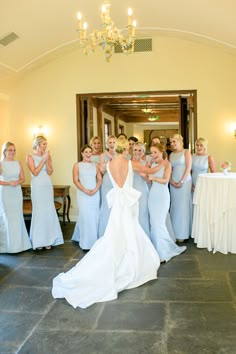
(119, 170)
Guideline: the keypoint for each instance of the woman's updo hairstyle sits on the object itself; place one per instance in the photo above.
(38, 140)
(92, 140)
(179, 138)
(161, 148)
(141, 145)
(109, 138)
(121, 145)
(86, 146)
(5, 146)
(203, 141)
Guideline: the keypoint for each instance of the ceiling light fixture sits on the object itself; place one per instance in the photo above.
(108, 36)
(153, 118)
(146, 110)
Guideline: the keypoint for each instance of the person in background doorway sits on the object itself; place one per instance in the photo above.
(132, 140)
(155, 140)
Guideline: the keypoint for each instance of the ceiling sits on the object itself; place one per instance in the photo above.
(47, 28)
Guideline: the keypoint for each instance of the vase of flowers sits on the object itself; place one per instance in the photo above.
(226, 167)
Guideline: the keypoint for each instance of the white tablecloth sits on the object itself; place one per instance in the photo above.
(214, 218)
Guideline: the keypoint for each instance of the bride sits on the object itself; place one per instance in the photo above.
(124, 257)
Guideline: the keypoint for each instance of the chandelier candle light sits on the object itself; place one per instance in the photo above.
(108, 36)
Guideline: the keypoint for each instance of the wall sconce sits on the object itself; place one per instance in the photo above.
(40, 130)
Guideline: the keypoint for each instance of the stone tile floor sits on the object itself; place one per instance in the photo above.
(191, 308)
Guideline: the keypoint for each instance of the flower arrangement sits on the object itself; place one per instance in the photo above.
(226, 165)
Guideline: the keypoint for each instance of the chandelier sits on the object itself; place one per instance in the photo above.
(108, 36)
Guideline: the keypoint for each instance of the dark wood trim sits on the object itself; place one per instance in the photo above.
(99, 100)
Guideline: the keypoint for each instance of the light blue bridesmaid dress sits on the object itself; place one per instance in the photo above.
(96, 158)
(13, 234)
(140, 184)
(158, 205)
(180, 198)
(199, 165)
(45, 229)
(104, 212)
(86, 228)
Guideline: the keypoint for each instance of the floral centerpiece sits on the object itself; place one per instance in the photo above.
(226, 166)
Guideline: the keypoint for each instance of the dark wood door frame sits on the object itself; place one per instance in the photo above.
(85, 104)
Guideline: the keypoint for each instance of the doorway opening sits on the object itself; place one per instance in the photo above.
(146, 110)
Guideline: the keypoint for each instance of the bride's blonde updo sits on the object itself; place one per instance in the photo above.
(121, 145)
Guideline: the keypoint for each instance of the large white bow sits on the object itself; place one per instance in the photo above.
(127, 196)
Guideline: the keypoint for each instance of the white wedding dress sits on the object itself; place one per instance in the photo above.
(123, 258)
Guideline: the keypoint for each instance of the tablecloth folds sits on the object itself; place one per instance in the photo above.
(214, 200)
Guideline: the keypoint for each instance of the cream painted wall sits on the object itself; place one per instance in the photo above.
(46, 95)
(4, 118)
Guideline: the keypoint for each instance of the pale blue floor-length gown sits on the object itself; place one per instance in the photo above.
(170, 227)
(199, 165)
(141, 185)
(45, 229)
(158, 204)
(123, 258)
(181, 198)
(13, 234)
(86, 229)
(104, 212)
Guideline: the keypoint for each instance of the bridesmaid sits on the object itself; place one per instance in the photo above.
(132, 140)
(45, 230)
(180, 189)
(96, 144)
(140, 183)
(155, 140)
(106, 186)
(109, 153)
(202, 162)
(158, 205)
(87, 178)
(13, 234)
